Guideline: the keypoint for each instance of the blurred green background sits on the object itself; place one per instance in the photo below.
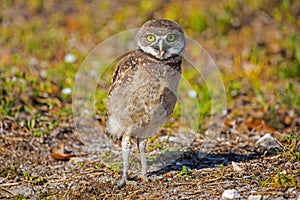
(256, 44)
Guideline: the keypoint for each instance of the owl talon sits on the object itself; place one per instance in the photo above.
(122, 183)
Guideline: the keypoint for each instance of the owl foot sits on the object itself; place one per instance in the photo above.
(144, 178)
(124, 181)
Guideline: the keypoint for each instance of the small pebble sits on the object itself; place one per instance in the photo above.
(247, 177)
(236, 167)
(255, 197)
(231, 194)
(268, 142)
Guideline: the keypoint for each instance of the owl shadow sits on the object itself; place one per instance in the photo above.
(192, 160)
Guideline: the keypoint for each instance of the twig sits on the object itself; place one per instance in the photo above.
(1, 127)
(188, 183)
(20, 139)
(274, 157)
(215, 179)
(68, 190)
(6, 190)
(268, 192)
(74, 177)
(8, 117)
(137, 191)
(10, 184)
(210, 184)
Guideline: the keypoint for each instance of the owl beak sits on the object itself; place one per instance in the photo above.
(161, 52)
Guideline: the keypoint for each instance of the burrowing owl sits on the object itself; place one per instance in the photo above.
(144, 87)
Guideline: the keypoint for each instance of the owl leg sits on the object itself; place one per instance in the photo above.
(142, 143)
(126, 145)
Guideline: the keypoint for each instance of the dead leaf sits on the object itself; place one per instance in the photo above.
(259, 125)
(64, 156)
(229, 123)
(59, 153)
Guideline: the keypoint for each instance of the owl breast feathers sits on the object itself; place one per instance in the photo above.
(142, 94)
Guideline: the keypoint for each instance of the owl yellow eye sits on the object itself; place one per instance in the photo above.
(150, 38)
(171, 37)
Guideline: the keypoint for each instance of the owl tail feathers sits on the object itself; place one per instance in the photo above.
(113, 128)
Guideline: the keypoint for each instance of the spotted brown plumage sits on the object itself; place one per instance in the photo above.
(143, 91)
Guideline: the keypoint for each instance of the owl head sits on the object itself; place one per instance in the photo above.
(161, 38)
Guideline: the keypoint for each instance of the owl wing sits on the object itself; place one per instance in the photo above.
(128, 62)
